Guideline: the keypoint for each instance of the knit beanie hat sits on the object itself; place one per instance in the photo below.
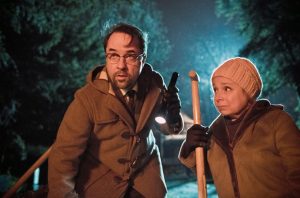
(243, 72)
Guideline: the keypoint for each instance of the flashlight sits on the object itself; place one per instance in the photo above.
(160, 119)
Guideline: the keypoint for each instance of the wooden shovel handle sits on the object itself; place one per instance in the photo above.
(197, 120)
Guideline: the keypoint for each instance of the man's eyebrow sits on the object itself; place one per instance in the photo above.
(131, 51)
(111, 50)
(127, 52)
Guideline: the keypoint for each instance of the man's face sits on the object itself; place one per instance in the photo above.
(125, 72)
(229, 98)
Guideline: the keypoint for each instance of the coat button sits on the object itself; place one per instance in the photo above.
(117, 179)
(126, 135)
(138, 139)
(122, 160)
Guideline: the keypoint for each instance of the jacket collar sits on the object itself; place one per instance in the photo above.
(255, 112)
(149, 86)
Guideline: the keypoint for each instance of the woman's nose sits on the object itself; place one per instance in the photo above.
(218, 97)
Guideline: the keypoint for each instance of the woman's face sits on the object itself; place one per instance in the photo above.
(229, 98)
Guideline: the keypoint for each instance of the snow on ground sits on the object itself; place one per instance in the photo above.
(182, 183)
(187, 188)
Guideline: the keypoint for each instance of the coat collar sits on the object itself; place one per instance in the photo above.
(148, 107)
(255, 112)
(116, 106)
(150, 85)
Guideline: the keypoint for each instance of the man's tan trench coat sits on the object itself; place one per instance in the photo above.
(101, 148)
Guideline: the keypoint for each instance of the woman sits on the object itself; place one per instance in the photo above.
(253, 146)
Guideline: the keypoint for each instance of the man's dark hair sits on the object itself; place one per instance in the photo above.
(132, 30)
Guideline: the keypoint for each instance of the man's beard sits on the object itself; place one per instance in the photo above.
(123, 84)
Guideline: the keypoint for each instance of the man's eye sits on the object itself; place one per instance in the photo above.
(114, 56)
(131, 56)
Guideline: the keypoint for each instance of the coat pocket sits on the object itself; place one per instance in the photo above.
(107, 120)
(108, 125)
(90, 171)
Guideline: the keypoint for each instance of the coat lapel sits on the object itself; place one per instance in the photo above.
(118, 108)
(112, 101)
(144, 106)
(220, 133)
(148, 107)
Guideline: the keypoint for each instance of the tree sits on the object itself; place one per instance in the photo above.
(206, 53)
(47, 48)
(272, 38)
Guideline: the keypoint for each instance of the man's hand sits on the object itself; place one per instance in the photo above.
(173, 105)
(197, 136)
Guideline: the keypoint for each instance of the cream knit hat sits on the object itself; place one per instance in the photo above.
(243, 72)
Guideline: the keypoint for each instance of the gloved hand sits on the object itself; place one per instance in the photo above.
(196, 136)
(172, 105)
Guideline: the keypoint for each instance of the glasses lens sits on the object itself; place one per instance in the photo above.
(129, 58)
(114, 58)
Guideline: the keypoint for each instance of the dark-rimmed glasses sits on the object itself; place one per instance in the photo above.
(129, 58)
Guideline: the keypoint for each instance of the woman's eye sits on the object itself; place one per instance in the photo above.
(227, 89)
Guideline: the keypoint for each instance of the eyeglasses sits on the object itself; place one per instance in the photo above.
(129, 58)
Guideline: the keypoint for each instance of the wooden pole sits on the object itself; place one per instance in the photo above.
(197, 120)
(12, 191)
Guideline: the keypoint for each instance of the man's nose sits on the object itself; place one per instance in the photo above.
(122, 63)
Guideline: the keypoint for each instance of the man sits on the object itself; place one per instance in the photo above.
(105, 147)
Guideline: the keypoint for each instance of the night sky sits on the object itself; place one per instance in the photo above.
(187, 20)
(193, 24)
